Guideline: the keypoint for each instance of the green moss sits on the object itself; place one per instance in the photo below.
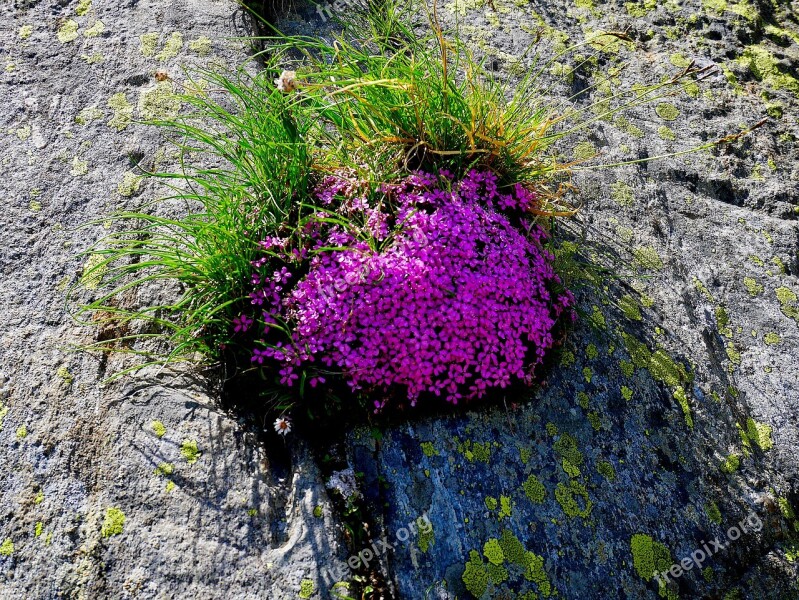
(95, 30)
(306, 589)
(567, 495)
(606, 469)
(730, 464)
(666, 134)
(158, 428)
(767, 69)
(201, 46)
(647, 258)
(68, 32)
(172, 46)
(666, 111)
(428, 449)
(123, 111)
(621, 193)
(753, 287)
(159, 102)
(713, 513)
(535, 491)
(649, 556)
(7, 547)
(626, 393)
(788, 303)
(189, 451)
(148, 43)
(629, 307)
(475, 576)
(113, 523)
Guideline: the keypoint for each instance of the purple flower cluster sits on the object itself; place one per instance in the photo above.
(460, 298)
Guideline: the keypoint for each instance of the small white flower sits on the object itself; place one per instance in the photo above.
(286, 82)
(283, 425)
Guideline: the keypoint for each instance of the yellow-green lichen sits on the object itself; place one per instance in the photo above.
(306, 589)
(595, 420)
(788, 303)
(428, 449)
(505, 507)
(626, 393)
(772, 339)
(584, 151)
(158, 428)
(629, 307)
(627, 368)
(730, 464)
(591, 351)
(606, 469)
(493, 552)
(623, 123)
(148, 42)
(648, 258)
(753, 287)
(38, 529)
(129, 185)
(95, 30)
(88, 114)
(682, 399)
(172, 46)
(666, 133)
(713, 513)
(666, 111)
(93, 271)
(758, 433)
(113, 522)
(189, 451)
(201, 46)
(427, 538)
(641, 8)
(768, 69)
(571, 457)
(534, 489)
(79, 167)
(25, 32)
(570, 496)
(164, 469)
(491, 503)
(621, 193)
(665, 369)
(22, 432)
(678, 60)
(7, 547)
(475, 575)
(159, 101)
(588, 373)
(649, 556)
(83, 7)
(123, 111)
(68, 31)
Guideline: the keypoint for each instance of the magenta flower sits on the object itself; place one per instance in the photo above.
(242, 323)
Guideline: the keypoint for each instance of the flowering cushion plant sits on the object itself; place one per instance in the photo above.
(430, 287)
